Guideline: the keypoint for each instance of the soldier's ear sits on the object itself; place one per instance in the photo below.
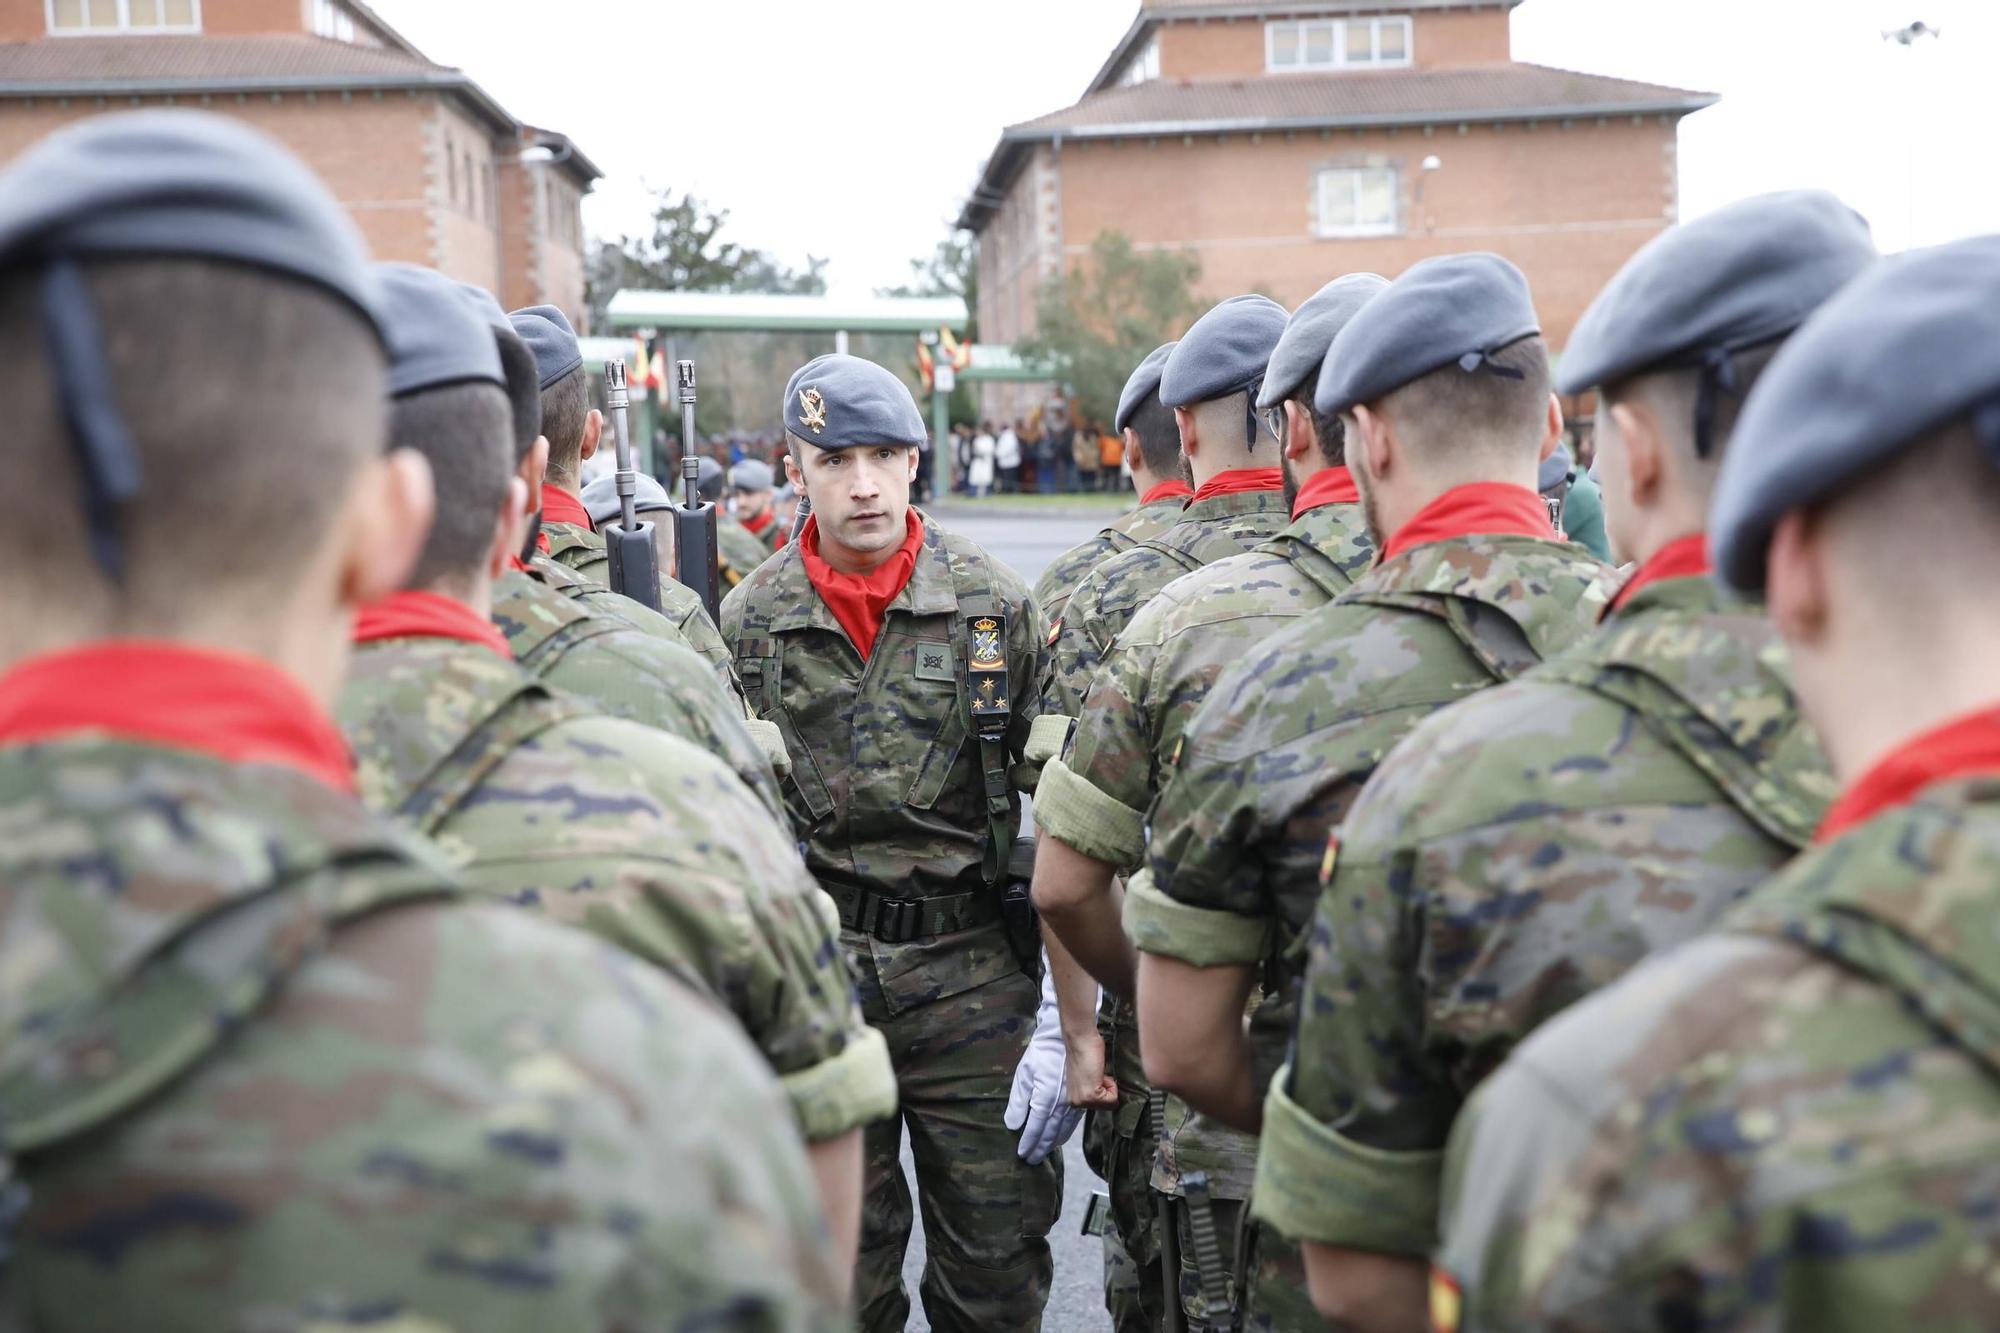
(593, 431)
(1796, 580)
(1190, 437)
(510, 527)
(1369, 438)
(792, 472)
(1552, 432)
(1639, 441)
(533, 470)
(911, 460)
(382, 528)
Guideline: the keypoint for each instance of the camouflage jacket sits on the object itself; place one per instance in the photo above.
(261, 1071)
(1066, 572)
(1515, 853)
(889, 787)
(628, 834)
(740, 549)
(612, 659)
(1792, 1122)
(1116, 587)
(582, 550)
(1271, 760)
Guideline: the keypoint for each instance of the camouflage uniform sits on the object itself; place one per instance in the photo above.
(578, 548)
(1792, 1122)
(627, 833)
(628, 662)
(741, 551)
(1120, 1144)
(263, 1073)
(1271, 760)
(1515, 853)
(1065, 574)
(889, 792)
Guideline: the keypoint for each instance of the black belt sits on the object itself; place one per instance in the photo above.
(900, 920)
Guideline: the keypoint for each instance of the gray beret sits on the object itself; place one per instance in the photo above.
(1143, 383)
(554, 344)
(838, 401)
(1224, 352)
(1452, 309)
(1310, 332)
(708, 478)
(1901, 351)
(1555, 469)
(181, 183)
(600, 498)
(552, 314)
(436, 335)
(1735, 279)
(751, 475)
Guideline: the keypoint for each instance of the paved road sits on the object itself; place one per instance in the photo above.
(1028, 542)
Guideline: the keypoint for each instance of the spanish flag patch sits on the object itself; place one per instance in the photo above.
(1330, 860)
(1055, 632)
(1447, 1301)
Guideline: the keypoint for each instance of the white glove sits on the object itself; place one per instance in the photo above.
(1038, 1105)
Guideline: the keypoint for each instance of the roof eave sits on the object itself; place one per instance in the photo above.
(1265, 124)
(994, 182)
(575, 162)
(449, 82)
(1141, 27)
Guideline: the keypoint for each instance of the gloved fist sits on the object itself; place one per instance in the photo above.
(1038, 1105)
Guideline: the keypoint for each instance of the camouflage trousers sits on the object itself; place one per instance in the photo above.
(1120, 1145)
(987, 1214)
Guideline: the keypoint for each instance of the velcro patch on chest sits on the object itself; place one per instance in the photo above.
(935, 662)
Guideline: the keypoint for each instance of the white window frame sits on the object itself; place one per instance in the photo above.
(1143, 67)
(1341, 60)
(1393, 226)
(332, 20)
(124, 26)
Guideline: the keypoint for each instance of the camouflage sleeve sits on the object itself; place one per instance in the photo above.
(680, 605)
(1071, 654)
(729, 897)
(1095, 798)
(1027, 653)
(1361, 1058)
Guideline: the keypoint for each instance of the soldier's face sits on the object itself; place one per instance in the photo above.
(861, 495)
(749, 504)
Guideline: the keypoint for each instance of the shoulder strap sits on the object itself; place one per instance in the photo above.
(167, 1010)
(1493, 638)
(1196, 545)
(512, 718)
(979, 632)
(1316, 566)
(1772, 773)
(1117, 539)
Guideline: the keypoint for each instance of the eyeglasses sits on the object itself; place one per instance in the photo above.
(1274, 423)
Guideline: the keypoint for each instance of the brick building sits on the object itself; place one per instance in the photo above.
(1286, 142)
(432, 168)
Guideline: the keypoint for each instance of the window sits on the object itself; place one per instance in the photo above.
(333, 19)
(85, 17)
(1357, 201)
(451, 169)
(1142, 67)
(1308, 44)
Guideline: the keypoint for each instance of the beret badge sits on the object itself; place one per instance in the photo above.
(812, 410)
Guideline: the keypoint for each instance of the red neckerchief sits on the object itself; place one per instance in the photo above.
(1482, 507)
(1174, 489)
(859, 601)
(517, 564)
(1681, 558)
(559, 506)
(1239, 481)
(760, 522)
(1332, 486)
(428, 615)
(1960, 748)
(235, 708)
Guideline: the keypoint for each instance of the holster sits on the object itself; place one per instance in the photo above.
(1017, 909)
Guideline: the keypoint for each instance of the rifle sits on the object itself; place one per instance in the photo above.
(800, 515)
(700, 565)
(635, 564)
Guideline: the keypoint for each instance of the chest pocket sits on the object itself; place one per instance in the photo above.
(931, 682)
(760, 666)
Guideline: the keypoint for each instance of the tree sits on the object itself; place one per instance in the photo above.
(686, 253)
(1113, 307)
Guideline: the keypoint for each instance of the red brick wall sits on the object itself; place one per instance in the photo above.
(235, 18)
(467, 228)
(1234, 48)
(21, 20)
(1568, 205)
(369, 151)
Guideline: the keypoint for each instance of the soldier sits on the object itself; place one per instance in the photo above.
(620, 656)
(1150, 682)
(567, 536)
(1794, 1121)
(1441, 385)
(1153, 454)
(752, 499)
(265, 1068)
(545, 801)
(1210, 382)
(901, 661)
(737, 552)
(1545, 835)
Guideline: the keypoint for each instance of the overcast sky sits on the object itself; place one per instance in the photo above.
(852, 129)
